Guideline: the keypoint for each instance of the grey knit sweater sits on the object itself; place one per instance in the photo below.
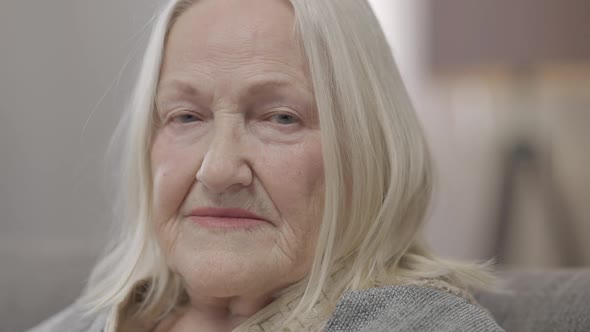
(392, 308)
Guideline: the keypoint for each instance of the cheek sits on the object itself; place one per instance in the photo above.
(173, 174)
(296, 184)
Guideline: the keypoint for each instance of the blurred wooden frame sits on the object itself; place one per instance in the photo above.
(538, 49)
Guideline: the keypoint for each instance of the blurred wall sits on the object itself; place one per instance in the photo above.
(513, 77)
(477, 87)
(60, 99)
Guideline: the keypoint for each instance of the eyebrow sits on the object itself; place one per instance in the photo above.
(177, 86)
(265, 85)
(255, 88)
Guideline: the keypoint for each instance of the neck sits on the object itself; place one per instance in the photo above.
(209, 313)
(236, 309)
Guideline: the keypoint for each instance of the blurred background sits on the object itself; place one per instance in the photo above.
(502, 88)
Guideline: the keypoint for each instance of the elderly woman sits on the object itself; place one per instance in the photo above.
(276, 178)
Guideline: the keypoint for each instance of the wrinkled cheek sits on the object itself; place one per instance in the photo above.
(300, 193)
(172, 179)
(165, 198)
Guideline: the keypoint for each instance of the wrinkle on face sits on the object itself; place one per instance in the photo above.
(231, 66)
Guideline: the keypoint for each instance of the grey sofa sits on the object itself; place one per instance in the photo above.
(540, 301)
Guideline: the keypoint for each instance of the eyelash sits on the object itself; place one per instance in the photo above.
(175, 117)
(195, 118)
(292, 116)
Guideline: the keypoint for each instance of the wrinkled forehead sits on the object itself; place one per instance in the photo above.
(219, 20)
(215, 36)
(222, 49)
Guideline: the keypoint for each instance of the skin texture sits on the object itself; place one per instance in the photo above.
(237, 128)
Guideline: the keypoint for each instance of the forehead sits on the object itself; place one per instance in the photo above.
(230, 41)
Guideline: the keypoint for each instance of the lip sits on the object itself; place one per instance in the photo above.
(231, 218)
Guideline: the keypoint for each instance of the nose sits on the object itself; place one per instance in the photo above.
(224, 165)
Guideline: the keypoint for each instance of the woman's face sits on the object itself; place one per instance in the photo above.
(237, 129)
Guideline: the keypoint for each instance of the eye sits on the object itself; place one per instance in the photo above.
(185, 118)
(283, 118)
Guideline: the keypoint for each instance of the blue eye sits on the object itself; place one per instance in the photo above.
(285, 119)
(185, 118)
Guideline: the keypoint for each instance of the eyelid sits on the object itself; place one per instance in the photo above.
(166, 106)
(283, 109)
(172, 115)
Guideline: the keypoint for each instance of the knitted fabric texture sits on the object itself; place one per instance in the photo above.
(408, 308)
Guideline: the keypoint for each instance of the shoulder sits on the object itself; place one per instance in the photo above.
(72, 319)
(408, 308)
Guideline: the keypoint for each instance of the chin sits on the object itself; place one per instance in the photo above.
(224, 275)
(228, 268)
